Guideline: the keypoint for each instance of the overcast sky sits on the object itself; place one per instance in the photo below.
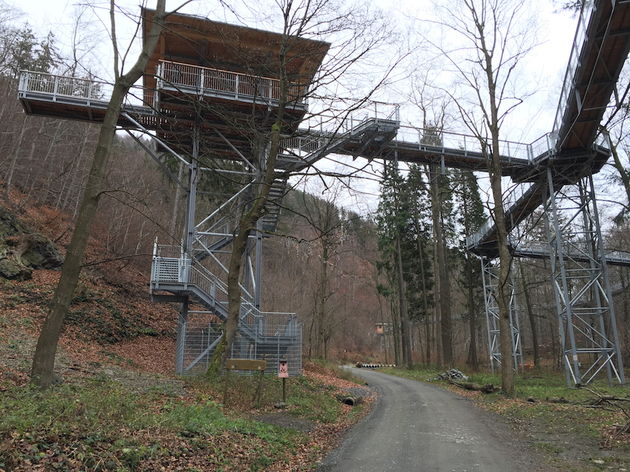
(542, 73)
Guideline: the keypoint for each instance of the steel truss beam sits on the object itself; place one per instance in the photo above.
(490, 285)
(588, 328)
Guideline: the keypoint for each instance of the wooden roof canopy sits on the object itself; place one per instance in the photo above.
(199, 41)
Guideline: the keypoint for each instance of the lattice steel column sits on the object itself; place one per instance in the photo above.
(588, 328)
(187, 253)
(490, 284)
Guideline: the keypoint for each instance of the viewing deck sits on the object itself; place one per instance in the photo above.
(87, 99)
(75, 98)
(178, 78)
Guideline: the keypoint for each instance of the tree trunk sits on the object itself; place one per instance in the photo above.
(473, 359)
(505, 259)
(425, 298)
(405, 332)
(16, 154)
(323, 296)
(530, 316)
(507, 365)
(396, 333)
(178, 192)
(46, 349)
(444, 286)
(246, 225)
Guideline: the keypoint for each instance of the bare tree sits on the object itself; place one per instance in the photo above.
(617, 127)
(324, 219)
(45, 352)
(359, 32)
(492, 36)
(434, 114)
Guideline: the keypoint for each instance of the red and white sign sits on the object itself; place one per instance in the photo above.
(283, 369)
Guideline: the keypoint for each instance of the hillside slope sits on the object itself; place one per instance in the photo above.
(111, 321)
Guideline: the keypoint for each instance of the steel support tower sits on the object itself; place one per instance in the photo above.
(588, 327)
(490, 285)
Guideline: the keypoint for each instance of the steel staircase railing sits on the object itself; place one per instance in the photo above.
(179, 273)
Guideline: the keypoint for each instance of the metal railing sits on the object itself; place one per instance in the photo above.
(323, 132)
(206, 80)
(574, 58)
(447, 141)
(171, 266)
(320, 132)
(79, 90)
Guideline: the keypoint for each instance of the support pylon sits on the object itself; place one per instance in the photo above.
(490, 285)
(587, 323)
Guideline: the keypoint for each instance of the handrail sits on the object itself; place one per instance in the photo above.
(193, 273)
(325, 133)
(567, 84)
(60, 87)
(449, 140)
(328, 129)
(202, 79)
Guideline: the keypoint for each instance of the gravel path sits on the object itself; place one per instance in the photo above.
(419, 427)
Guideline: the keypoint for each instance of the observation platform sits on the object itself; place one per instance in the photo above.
(227, 79)
(224, 78)
(75, 98)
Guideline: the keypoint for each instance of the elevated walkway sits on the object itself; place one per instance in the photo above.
(600, 48)
(534, 250)
(523, 199)
(382, 137)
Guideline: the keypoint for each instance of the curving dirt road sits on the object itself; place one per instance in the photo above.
(419, 427)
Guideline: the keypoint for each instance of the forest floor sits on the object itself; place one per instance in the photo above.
(116, 404)
(581, 430)
(118, 407)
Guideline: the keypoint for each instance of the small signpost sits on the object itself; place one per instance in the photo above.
(283, 373)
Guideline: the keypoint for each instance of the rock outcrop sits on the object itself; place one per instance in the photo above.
(23, 250)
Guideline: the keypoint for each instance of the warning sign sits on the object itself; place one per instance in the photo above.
(283, 369)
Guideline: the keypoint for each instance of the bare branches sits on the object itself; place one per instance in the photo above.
(112, 20)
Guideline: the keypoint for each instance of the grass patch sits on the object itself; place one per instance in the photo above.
(101, 425)
(313, 401)
(306, 398)
(539, 386)
(547, 447)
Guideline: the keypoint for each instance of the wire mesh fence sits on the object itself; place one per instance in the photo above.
(272, 337)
